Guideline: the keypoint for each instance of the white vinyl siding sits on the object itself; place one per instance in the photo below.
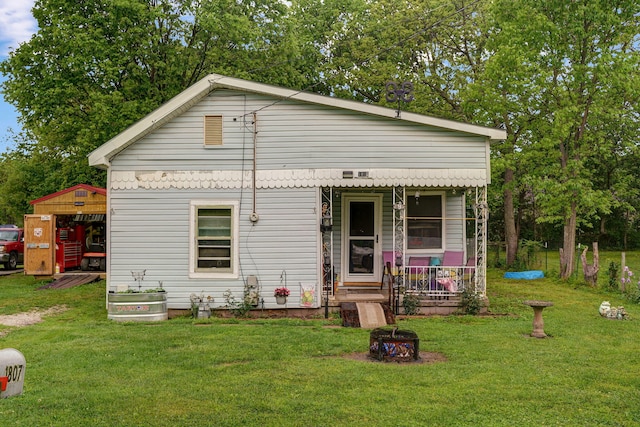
(454, 226)
(214, 243)
(150, 230)
(294, 135)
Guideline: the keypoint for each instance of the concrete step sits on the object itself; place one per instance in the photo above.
(360, 297)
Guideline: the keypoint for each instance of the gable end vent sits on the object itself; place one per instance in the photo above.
(212, 131)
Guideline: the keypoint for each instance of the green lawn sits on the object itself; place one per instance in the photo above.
(85, 370)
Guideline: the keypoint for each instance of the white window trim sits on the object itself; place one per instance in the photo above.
(235, 225)
(443, 200)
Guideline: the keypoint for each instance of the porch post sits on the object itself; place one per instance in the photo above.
(398, 242)
(398, 226)
(326, 228)
(482, 217)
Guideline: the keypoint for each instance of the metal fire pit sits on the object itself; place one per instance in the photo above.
(394, 345)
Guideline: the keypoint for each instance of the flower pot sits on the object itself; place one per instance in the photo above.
(281, 300)
(137, 306)
(204, 312)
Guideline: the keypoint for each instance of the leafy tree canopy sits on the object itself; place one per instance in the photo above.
(94, 68)
(561, 77)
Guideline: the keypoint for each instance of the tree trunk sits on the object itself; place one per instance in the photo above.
(591, 270)
(511, 235)
(567, 253)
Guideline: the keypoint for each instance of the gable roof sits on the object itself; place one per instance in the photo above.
(101, 156)
(87, 187)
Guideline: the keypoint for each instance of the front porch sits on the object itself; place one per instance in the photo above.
(428, 304)
(380, 245)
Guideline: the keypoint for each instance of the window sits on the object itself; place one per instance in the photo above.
(214, 248)
(212, 131)
(424, 221)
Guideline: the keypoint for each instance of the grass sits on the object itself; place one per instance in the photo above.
(83, 369)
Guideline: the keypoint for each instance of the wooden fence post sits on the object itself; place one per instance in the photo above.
(623, 263)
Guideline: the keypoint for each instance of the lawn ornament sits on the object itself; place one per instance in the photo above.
(609, 312)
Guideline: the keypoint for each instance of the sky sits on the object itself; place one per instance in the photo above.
(16, 26)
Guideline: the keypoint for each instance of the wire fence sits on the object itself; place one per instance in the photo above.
(531, 256)
(540, 256)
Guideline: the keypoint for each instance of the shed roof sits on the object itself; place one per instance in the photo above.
(192, 95)
(87, 187)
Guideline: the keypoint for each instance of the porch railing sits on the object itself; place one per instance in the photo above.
(439, 281)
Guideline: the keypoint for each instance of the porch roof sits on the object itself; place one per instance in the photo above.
(290, 178)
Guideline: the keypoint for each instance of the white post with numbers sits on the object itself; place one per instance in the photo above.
(12, 367)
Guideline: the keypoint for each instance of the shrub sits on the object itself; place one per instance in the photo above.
(239, 308)
(471, 303)
(411, 304)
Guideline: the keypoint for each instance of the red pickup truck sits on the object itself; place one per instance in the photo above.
(11, 247)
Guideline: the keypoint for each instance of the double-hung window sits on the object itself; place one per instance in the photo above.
(425, 222)
(214, 239)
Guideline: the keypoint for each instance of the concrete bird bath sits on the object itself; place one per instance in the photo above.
(538, 323)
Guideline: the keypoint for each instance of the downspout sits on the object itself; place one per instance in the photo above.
(254, 215)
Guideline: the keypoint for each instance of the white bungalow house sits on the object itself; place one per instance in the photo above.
(236, 186)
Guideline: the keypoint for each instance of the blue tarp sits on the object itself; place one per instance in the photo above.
(533, 274)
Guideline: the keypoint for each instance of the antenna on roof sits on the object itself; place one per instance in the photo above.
(399, 92)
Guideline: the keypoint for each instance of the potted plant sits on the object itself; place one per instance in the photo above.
(201, 305)
(281, 294)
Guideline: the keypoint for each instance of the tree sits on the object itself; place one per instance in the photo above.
(94, 68)
(442, 49)
(590, 271)
(581, 65)
(25, 171)
(561, 78)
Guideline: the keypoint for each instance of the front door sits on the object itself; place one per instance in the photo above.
(362, 239)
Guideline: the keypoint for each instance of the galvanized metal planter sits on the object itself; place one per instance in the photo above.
(137, 306)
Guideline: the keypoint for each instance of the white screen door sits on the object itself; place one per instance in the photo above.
(361, 253)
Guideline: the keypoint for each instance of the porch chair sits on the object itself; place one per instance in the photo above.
(453, 259)
(419, 273)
